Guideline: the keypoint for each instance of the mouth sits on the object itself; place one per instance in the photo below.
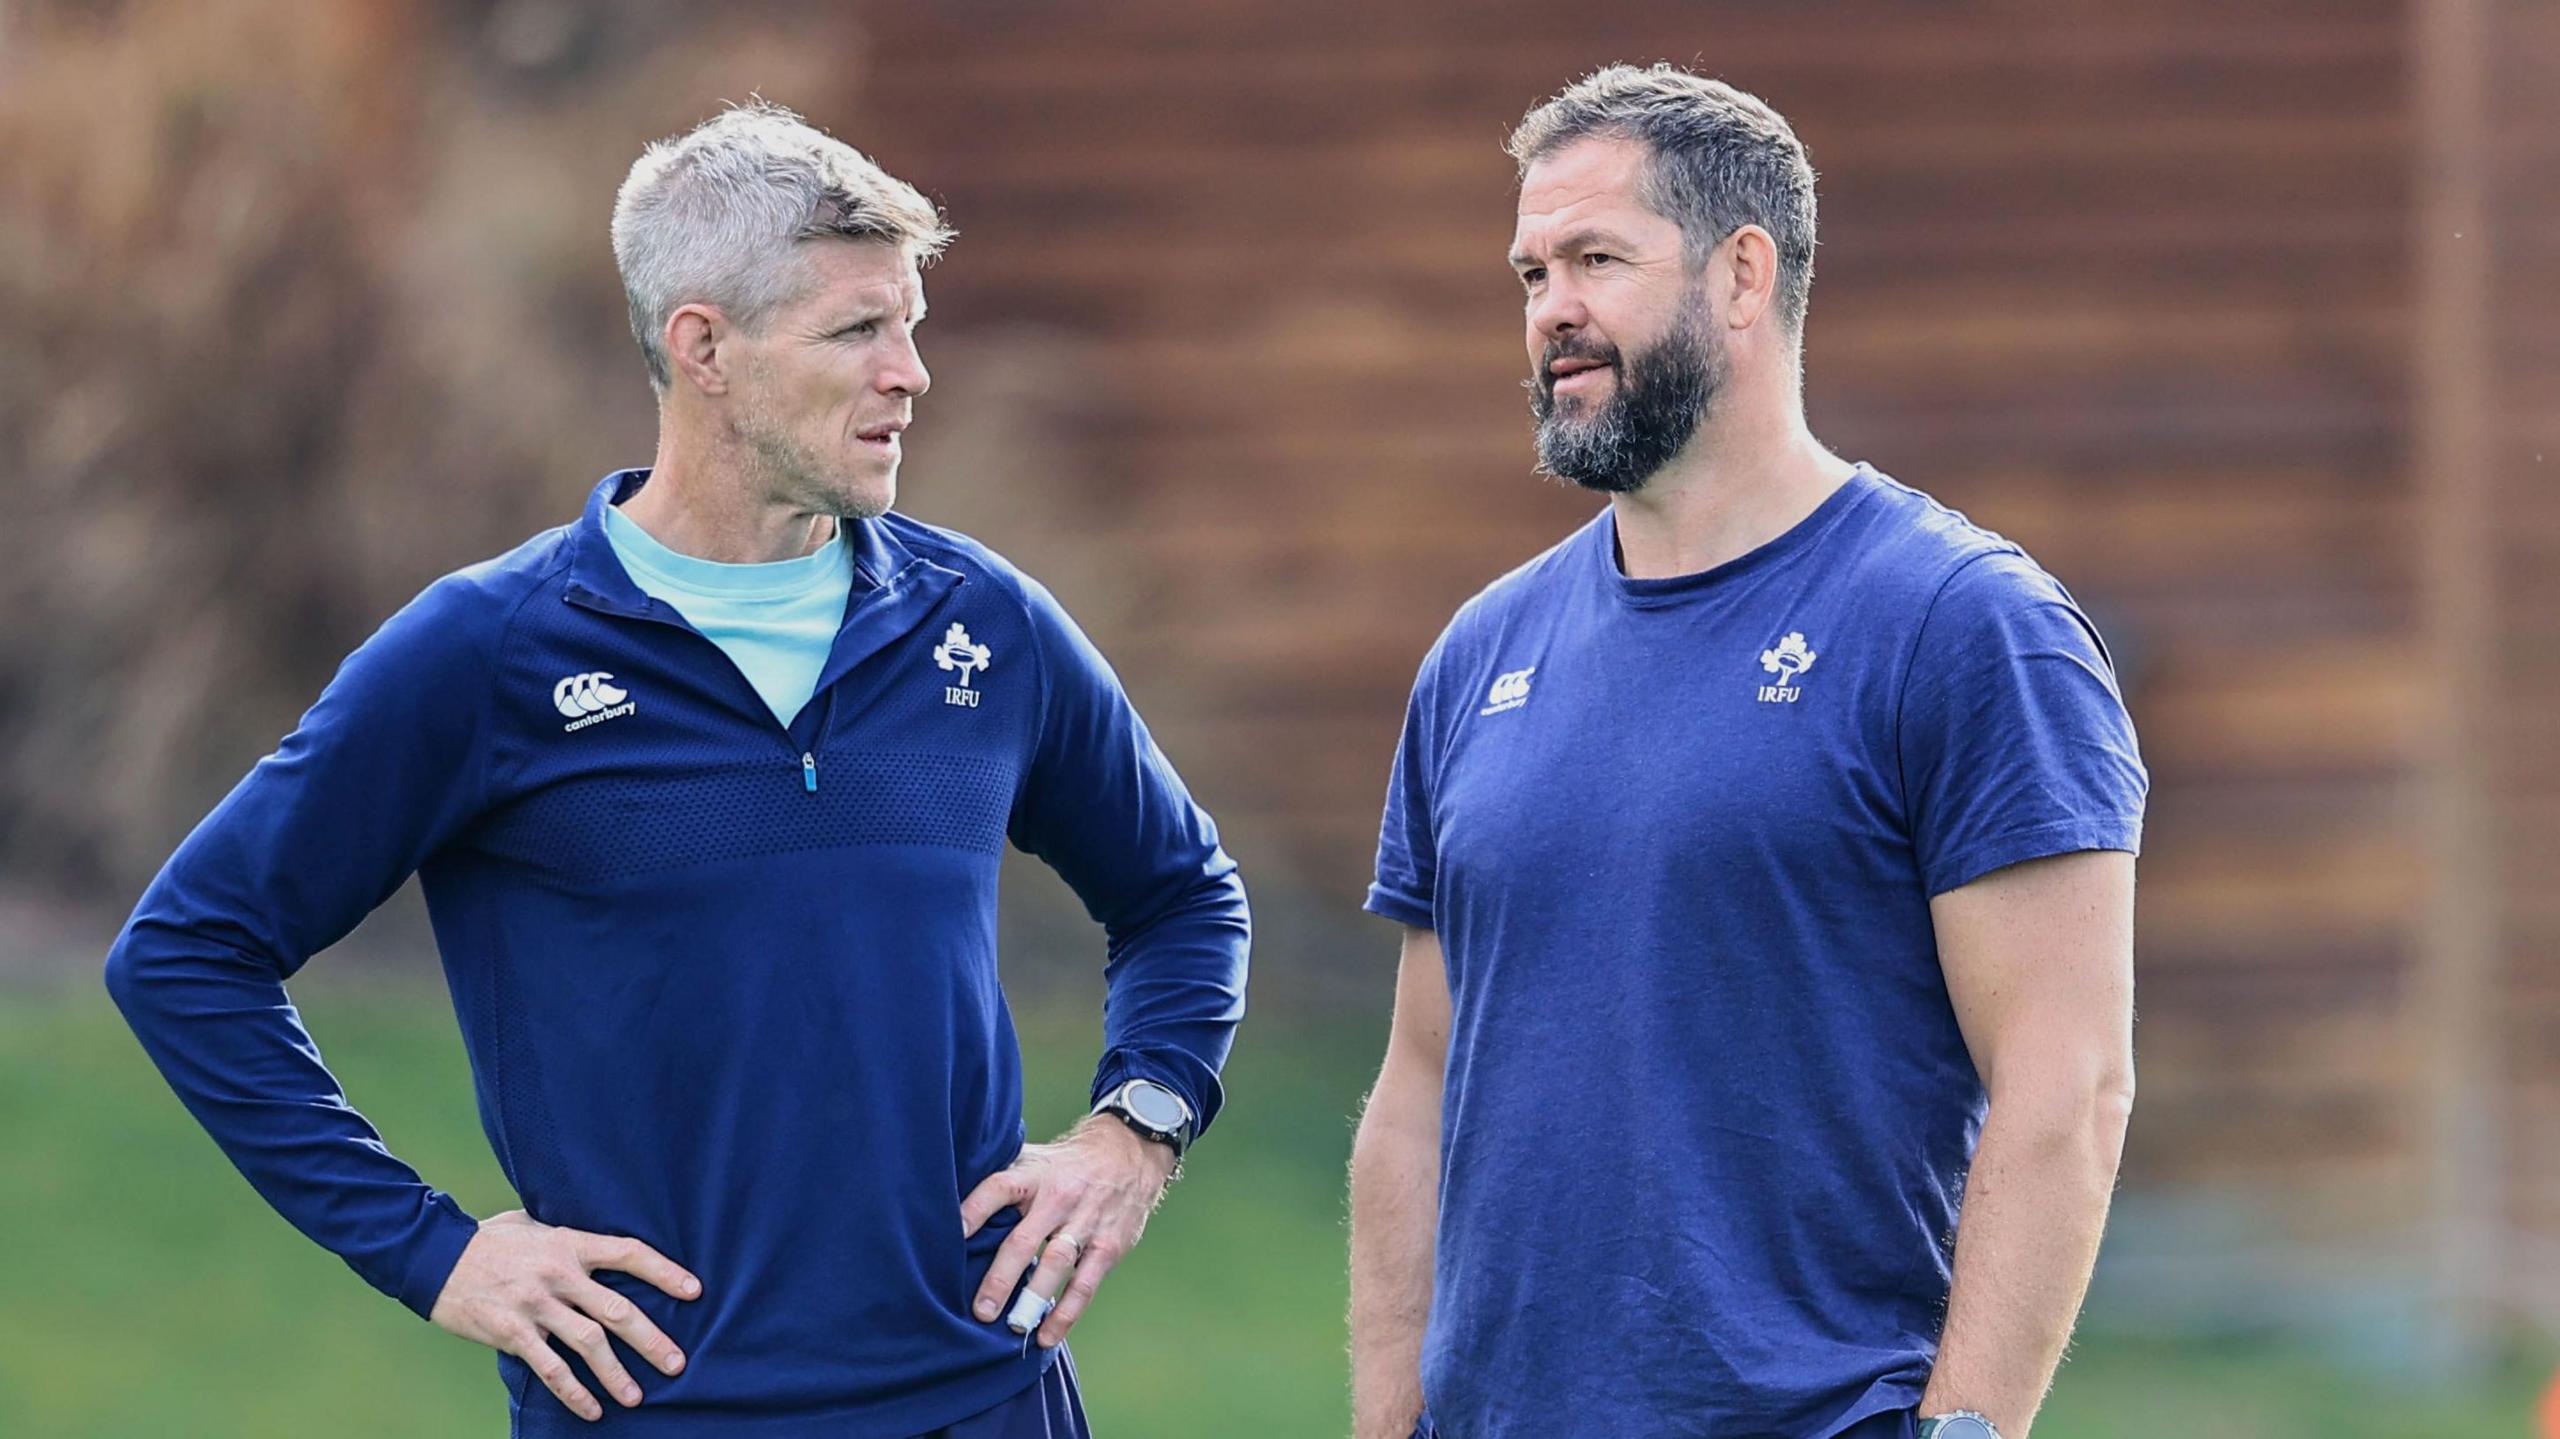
(883, 438)
(1567, 377)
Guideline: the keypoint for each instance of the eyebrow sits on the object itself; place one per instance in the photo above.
(1575, 242)
(847, 320)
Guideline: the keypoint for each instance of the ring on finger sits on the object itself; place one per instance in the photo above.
(1074, 1244)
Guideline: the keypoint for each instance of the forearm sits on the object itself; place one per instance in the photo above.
(1395, 1177)
(2035, 1205)
(1174, 994)
(223, 1033)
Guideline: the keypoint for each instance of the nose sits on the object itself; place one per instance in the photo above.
(905, 373)
(1555, 312)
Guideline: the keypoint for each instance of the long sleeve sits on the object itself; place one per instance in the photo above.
(1103, 807)
(385, 767)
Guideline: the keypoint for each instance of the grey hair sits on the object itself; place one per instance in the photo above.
(1717, 159)
(714, 217)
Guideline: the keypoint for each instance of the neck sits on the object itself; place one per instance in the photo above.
(1750, 474)
(709, 502)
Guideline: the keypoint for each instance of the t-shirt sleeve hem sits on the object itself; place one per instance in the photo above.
(1961, 867)
(1398, 905)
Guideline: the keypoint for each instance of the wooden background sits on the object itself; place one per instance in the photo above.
(2148, 288)
(2245, 320)
(2516, 559)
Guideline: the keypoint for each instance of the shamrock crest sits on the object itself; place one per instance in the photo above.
(958, 652)
(1791, 658)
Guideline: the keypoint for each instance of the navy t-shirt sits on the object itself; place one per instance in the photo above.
(1708, 1111)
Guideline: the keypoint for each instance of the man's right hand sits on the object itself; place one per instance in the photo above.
(520, 1282)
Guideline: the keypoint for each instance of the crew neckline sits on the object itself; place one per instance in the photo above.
(763, 580)
(1672, 589)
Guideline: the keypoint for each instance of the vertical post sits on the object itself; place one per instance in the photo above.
(2458, 949)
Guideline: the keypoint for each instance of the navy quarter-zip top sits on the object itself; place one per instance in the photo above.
(727, 985)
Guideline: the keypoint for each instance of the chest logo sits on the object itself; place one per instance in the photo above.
(1510, 691)
(591, 699)
(958, 652)
(1789, 659)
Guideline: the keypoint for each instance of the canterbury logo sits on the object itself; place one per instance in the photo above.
(590, 699)
(1510, 691)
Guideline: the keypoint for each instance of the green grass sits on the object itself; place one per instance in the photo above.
(2136, 1389)
(148, 1292)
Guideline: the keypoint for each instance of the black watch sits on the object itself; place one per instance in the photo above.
(1154, 1111)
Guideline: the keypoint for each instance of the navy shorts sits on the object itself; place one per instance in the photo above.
(1050, 1409)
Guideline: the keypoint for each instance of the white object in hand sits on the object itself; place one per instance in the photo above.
(1028, 1310)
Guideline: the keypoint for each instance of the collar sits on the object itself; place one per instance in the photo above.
(597, 578)
(903, 590)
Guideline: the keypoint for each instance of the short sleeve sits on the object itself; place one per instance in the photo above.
(1408, 859)
(2013, 736)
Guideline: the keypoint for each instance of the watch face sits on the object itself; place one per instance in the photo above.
(1155, 1106)
(1963, 1426)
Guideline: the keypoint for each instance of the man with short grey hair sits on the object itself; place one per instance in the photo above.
(707, 793)
(1765, 852)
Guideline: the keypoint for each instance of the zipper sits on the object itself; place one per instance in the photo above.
(657, 611)
(826, 700)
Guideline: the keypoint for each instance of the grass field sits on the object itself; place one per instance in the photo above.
(148, 1292)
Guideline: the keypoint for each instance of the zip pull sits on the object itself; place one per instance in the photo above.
(809, 771)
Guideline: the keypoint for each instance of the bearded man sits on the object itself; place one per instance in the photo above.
(1765, 852)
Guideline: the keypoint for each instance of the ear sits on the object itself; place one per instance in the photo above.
(694, 337)
(1749, 261)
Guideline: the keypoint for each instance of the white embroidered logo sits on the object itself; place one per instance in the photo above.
(958, 652)
(590, 699)
(1510, 691)
(1791, 658)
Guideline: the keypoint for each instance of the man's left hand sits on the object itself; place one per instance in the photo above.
(1084, 1201)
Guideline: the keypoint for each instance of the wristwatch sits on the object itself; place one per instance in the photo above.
(1154, 1111)
(1962, 1424)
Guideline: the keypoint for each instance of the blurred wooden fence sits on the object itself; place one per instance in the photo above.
(1227, 351)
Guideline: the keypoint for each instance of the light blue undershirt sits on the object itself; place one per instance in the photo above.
(776, 621)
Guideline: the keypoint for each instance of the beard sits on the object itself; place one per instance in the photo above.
(1660, 397)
